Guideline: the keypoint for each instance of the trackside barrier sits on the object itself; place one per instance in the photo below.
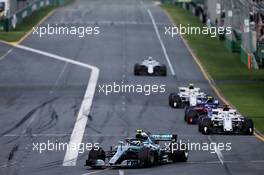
(2, 24)
(62, 2)
(247, 58)
(249, 61)
(11, 23)
(167, 1)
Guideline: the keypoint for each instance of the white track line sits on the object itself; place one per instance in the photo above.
(96, 172)
(228, 161)
(161, 42)
(59, 77)
(71, 155)
(121, 172)
(218, 152)
(7, 53)
(61, 135)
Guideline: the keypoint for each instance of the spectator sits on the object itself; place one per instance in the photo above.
(261, 38)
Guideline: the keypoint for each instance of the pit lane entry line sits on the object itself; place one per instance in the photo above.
(71, 154)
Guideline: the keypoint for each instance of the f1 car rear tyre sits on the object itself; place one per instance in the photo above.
(136, 69)
(140, 70)
(95, 155)
(176, 102)
(190, 116)
(172, 95)
(248, 127)
(200, 127)
(163, 71)
(180, 155)
(185, 118)
(146, 157)
(206, 126)
(160, 70)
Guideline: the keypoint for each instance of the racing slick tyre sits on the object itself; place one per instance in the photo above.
(140, 70)
(206, 126)
(190, 116)
(163, 70)
(200, 127)
(146, 157)
(248, 127)
(180, 155)
(176, 102)
(160, 70)
(186, 110)
(136, 69)
(94, 155)
(172, 95)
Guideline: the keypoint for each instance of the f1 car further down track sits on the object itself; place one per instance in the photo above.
(187, 96)
(150, 67)
(145, 150)
(203, 108)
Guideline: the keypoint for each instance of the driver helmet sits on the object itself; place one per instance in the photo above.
(226, 107)
(210, 99)
(141, 135)
(150, 59)
(191, 86)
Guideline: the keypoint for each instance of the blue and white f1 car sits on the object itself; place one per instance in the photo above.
(226, 121)
(203, 108)
(186, 96)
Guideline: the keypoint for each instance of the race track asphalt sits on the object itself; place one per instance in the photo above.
(40, 97)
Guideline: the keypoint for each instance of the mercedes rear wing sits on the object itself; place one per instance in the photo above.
(164, 137)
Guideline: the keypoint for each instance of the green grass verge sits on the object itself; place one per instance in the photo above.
(25, 26)
(223, 65)
(219, 62)
(249, 98)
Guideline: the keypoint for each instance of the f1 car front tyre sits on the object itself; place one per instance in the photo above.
(160, 70)
(200, 125)
(94, 155)
(146, 157)
(140, 70)
(175, 101)
(180, 155)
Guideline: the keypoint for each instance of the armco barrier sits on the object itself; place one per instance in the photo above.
(62, 2)
(167, 1)
(12, 22)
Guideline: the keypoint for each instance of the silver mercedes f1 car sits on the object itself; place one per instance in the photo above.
(145, 150)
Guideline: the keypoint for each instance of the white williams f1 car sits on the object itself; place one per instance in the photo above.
(186, 96)
(227, 121)
(150, 67)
